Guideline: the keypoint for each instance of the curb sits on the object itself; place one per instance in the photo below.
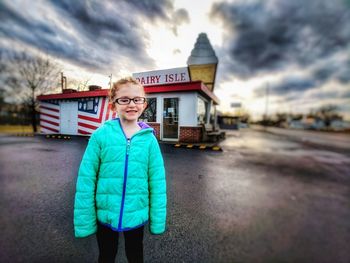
(199, 147)
(65, 137)
(24, 134)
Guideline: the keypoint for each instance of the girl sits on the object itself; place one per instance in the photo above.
(121, 180)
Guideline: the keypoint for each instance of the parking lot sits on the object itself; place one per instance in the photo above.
(264, 198)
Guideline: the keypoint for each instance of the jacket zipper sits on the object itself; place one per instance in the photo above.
(124, 184)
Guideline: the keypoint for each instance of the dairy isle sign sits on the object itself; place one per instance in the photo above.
(166, 76)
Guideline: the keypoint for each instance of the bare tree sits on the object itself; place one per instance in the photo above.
(29, 76)
(79, 85)
(328, 113)
(83, 85)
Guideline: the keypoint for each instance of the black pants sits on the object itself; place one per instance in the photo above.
(107, 241)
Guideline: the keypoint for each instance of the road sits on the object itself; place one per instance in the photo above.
(330, 139)
(264, 198)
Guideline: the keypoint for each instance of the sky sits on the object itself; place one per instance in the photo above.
(297, 52)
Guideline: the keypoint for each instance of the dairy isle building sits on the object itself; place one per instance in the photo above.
(181, 102)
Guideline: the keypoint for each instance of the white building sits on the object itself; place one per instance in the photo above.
(180, 101)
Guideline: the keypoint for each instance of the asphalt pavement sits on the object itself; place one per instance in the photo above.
(264, 198)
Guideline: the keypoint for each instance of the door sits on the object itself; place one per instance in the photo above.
(171, 118)
(69, 117)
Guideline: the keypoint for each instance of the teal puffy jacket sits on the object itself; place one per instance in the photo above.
(121, 182)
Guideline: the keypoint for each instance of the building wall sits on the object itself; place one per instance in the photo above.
(156, 127)
(188, 130)
(190, 134)
(187, 107)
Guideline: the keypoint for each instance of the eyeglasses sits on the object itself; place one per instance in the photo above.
(126, 101)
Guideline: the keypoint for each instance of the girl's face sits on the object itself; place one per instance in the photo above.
(130, 112)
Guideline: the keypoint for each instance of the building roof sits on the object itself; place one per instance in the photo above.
(176, 87)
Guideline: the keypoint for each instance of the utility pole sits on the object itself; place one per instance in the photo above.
(266, 103)
(110, 81)
(63, 82)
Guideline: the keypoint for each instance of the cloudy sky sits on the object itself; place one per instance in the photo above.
(298, 51)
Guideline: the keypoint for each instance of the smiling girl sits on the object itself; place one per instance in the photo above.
(121, 180)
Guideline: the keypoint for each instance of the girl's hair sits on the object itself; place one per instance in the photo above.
(116, 86)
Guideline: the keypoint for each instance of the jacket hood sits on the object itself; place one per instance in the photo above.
(143, 125)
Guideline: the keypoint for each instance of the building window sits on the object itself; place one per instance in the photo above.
(150, 113)
(90, 105)
(202, 108)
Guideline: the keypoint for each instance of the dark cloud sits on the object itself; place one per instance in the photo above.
(337, 70)
(325, 73)
(20, 28)
(93, 19)
(152, 8)
(180, 17)
(163, 10)
(294, 90)
(318, 96)
(90, 16)
(90, 34)
(267, 36)
(286, 87)
(109, 26)
(343, 75)
(7, 14)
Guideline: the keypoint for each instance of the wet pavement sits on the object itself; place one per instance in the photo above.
(264, 198)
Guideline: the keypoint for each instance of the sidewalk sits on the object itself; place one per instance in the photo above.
(201, 146)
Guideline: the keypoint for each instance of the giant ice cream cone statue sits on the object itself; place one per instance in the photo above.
(203, 62)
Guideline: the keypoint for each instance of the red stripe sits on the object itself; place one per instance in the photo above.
(51, 122)
(47, 108)
(49, 115)
(81, 94)
(83, 132)
(48, 128)
(94, 119)
(102, 109)
(82, 124)
(108, 110)
(88, 118)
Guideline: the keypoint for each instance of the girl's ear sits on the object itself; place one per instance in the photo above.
(112, 106)
(145, 105)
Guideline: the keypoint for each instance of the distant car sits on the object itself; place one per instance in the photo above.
(296, 125)
(243, 125)
(339, 125)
